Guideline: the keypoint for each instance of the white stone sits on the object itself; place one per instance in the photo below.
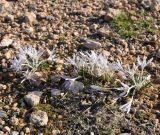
(146, 4)
(104, 31)
(30, 17)
(6, 129)
(125, 134)
(91, 44)
(9, 17)
(3, 114)
(27, 130)
(111, 13)
(55, 92)
(6, 42)
(14, 121)
(33, 98)
(1, 133)
(158, 53)
(14, 133)
(39, 118)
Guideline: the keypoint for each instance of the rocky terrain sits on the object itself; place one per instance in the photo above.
(120, 29)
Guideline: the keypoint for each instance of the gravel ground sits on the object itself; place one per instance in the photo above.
(122, 29)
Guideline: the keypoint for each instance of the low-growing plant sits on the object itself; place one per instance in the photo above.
(28, 61)
(137, 80)
(93, 63)
(129, 28)
(97, 65)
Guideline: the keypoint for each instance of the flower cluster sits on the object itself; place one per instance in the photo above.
(96, 64)
(136, 78)
(28, 61)
(135, 73)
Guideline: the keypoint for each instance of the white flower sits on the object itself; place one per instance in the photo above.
(93, 57)
(143, 80)
(32, 52)
(148, 78)
(133, 73)
(32, 56)
(52, 55)
(125, 88)
(28, 75)
(71, 61)
(118, 66)
(16, 64)
(28, 61)
(78, 60)
(143, 63)
(128, 70)
(92, 62)
(126, 107)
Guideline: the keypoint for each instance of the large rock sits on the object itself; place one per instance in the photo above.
(96, 88)
(14, 121)
(147, 4)
(33, 98)
(55, 92)
(5, 6)
(104, 31)
(14, 133)
(158, 53)
(39, 118)
(28, 17)
(125, 134)
(1, 133)
(6, 129)
(115, 3)
(27, 130)
(151, 4)
(5, 42)
(91, 44)
(111, 13)
(157, 5)
(73, 86)
(29, 30)
(9, 18)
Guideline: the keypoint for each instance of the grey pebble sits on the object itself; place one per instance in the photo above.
(3, 114)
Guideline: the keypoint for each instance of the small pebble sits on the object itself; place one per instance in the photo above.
(14, 133)
(14, 121)
(27, 130)
(6, 129)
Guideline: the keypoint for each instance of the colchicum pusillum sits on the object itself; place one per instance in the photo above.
(96, 64)
(28, 60)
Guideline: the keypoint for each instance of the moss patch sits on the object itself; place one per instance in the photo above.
(131, 24)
